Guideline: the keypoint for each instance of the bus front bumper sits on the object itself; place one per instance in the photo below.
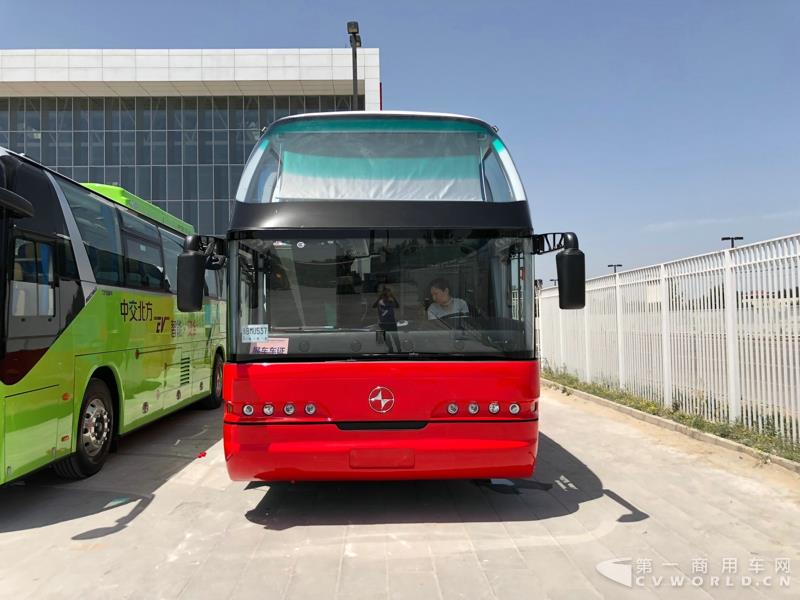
(324, 451)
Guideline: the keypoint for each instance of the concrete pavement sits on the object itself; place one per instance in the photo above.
(159, 522)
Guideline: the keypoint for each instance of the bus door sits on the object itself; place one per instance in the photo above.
(36, 412)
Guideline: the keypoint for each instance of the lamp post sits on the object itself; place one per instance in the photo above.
(355, 42)
(732, 239)
(554, 281)
(614, 266)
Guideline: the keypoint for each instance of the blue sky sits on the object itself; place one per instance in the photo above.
(649, 128)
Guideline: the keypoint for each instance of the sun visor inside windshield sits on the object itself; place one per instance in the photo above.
(391, 166)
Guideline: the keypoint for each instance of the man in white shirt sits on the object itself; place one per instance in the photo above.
(443, 303)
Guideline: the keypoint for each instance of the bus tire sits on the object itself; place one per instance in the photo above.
(214, 399)
(94, 435)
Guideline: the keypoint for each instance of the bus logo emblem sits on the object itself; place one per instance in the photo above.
(381, 399)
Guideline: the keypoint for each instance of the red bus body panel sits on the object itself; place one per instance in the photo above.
(346, 439)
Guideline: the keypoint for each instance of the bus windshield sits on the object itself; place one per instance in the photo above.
(395, 159)
(382, 293)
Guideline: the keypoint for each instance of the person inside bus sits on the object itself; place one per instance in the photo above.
(387, 322)
(444, 304)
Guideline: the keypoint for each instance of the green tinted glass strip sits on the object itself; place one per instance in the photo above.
(416, 168)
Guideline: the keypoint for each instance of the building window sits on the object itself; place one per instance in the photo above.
(183, 152)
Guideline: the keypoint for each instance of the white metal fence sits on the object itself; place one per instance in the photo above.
(668, 334)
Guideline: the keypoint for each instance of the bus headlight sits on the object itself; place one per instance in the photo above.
(473, 408)
(452, 408)
(494, 408)
(310, 408)
(288, 409)
(513, 409)
(247, 409)
(268, 409)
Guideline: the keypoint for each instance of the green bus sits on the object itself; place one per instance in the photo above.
(92, 345)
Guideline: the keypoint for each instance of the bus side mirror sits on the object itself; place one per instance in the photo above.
(191, 277)
(14, 204)
(571, 269)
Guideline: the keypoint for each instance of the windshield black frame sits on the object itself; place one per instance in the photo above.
(467, 333)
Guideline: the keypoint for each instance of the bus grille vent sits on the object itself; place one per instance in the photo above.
(186, 370)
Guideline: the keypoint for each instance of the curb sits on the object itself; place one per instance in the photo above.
(702, 436)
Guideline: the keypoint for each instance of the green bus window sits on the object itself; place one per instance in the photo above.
(140, 227)
(97, 222)
(211, 284)
(172, 246)
(143, 264)
(32, 285)
(45, 284)
(67, 267)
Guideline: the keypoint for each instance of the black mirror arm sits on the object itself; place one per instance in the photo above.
(208, 246)
(543, 243)
(215, 262)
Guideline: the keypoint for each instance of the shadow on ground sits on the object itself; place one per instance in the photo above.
(561, 484)
(144, 461)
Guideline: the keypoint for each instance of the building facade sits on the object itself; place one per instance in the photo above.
(173, 126)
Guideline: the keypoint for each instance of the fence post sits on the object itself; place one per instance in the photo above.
(731, 340)
(586, 342)
(561, 357)
(620, 354)
(666, 348)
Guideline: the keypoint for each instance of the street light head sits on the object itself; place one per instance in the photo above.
(352, 27)
(732, 239)
(358, 40)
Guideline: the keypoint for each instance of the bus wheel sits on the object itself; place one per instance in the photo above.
(95, 432)
(214, 399)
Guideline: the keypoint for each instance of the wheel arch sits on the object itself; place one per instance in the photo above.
(110, 377)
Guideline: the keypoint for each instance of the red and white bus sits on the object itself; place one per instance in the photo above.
(381, 302)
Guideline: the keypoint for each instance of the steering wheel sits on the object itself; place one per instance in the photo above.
(454, 319)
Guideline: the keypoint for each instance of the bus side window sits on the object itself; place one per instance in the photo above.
(221, 275)
(495, 181)
(172, 246)
(32, 281)
(144, 266)
(211, 288)
(99, 227)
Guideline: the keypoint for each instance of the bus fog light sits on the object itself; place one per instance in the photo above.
(289, 409)
(452, 408)
(494, 408)
(514, 409)
(534, 406)
(269, 410)
(473, 408)
(310, 408)
(247, 409)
